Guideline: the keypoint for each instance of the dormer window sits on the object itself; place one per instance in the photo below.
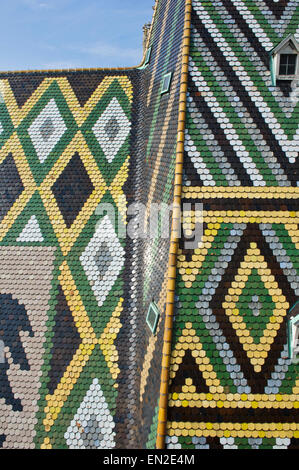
(287, 64)
(166, 82)
(293, 333)
(148, 56)
(153, 316)
(284, 60)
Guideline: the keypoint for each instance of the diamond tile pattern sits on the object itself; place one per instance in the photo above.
(46, 130)
(66, 341)
(55, 242)
(232, 384)
(11, 186)
(94, 430)
(21, 89)
(112, 129)
(72, 189)
(103, 259)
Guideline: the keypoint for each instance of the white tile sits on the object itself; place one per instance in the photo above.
(44, 147)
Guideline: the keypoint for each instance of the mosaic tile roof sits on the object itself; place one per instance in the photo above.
(80, 369)
(56, 159)
(232, 384)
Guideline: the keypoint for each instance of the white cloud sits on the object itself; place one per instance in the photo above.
(60, 65)
(37, 4)
(145, 13)
(103, 50)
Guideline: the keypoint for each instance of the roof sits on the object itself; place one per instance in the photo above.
(78, 150)
(289, 39)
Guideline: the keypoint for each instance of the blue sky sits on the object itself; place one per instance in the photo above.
(47, 34)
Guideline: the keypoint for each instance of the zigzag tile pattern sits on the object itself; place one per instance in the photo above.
(72, 142)
(242, 131)
(232, 384)
(61, 279)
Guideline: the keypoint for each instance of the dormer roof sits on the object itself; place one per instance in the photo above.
(290, 41)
